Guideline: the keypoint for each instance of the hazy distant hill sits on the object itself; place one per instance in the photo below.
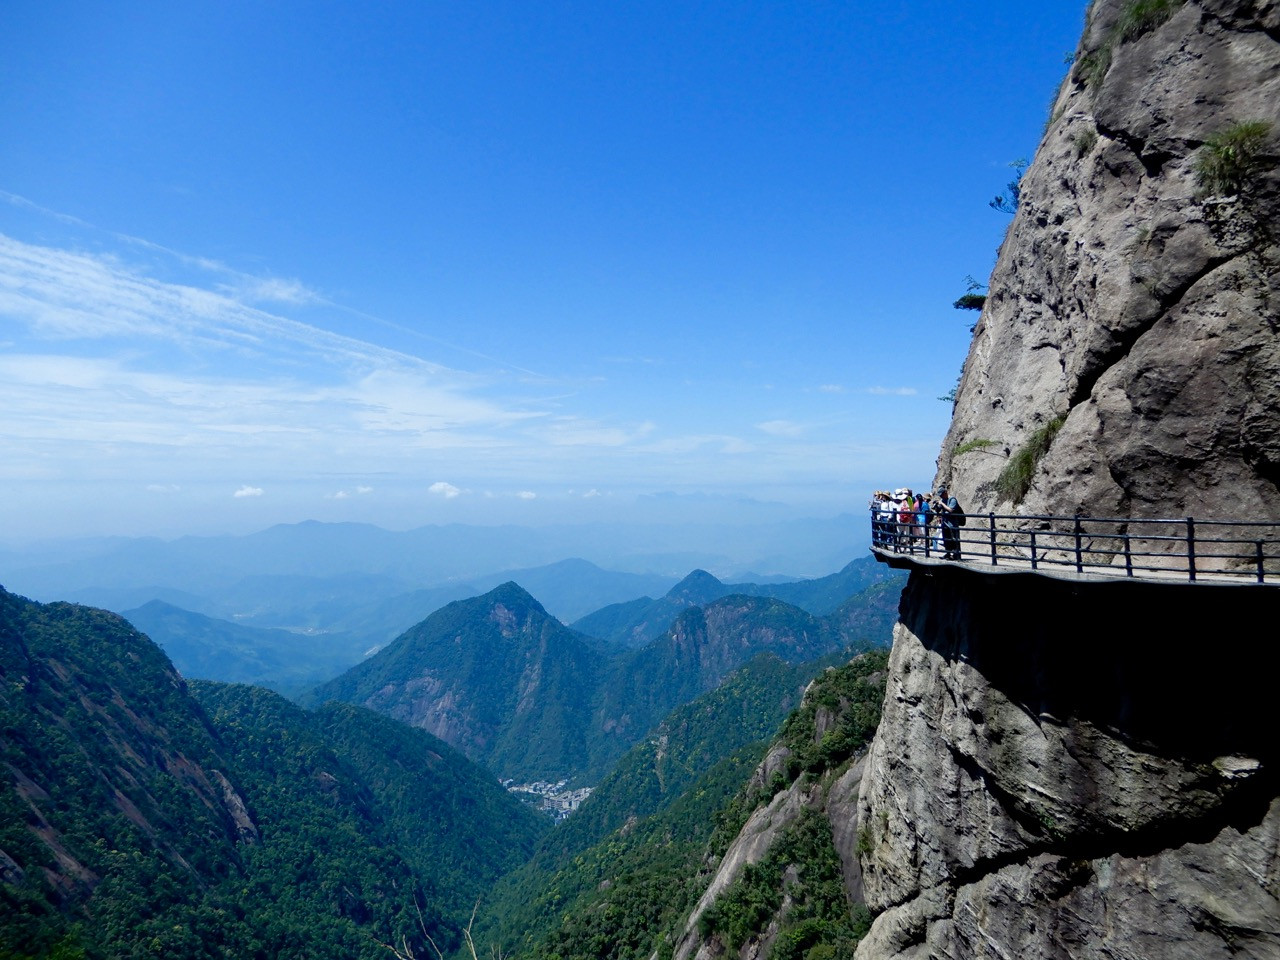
(107, 569)
(206, 648)
(133, 823)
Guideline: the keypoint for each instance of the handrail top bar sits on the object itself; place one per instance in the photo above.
(1083, 518)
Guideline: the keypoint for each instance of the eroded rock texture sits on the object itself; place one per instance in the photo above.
(1131, 299)
(1067, 770)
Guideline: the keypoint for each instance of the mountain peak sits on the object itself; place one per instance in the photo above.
(698, 587)
(509, 594)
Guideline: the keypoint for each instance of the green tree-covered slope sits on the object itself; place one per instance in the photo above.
(135, 823)
(629, 892)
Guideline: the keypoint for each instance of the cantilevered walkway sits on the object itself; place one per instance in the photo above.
(1183, 550)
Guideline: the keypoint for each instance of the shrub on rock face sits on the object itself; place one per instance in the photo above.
(1015, 479)
(1137, 18)
(1229, 160)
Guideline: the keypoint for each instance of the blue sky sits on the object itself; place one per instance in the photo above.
(417, 262)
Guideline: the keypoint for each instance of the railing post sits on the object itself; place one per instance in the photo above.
(1079, 531)
(1191, 549)
(1033, 550)
(1262, 576)
(991, 525)
(1128, 557)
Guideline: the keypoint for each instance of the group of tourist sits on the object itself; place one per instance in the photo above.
(901, 522)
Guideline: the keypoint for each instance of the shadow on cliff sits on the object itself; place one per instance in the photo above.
(1176, 673)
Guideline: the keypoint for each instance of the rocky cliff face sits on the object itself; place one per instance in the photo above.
(1135, 299)
(1047, 782)
(1086, 770)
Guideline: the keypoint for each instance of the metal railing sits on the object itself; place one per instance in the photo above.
(1185, 549)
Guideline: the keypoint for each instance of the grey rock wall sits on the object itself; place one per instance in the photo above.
(1127, 300)
(1068, 770)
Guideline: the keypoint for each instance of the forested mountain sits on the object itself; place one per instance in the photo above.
(763, 838)
(515, 689)
(135, 822)
(638, 622)
(495, 675)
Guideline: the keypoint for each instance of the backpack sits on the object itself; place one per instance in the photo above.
(957, 515)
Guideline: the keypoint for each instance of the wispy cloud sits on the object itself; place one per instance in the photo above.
(892, 391)
(248, 491)
(61, 295)
(272, 290)
(578, 431)
(782, 428)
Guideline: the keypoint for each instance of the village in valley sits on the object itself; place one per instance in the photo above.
(551, 798)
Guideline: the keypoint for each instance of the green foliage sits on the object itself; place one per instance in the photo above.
(978, 443)
(114, 811)
(970, 301)
(1143, 16)
(746, 708)
(1229, 160)
(540, 701)
(621, 896)
(1136, 18)
(950, 395)
(973, 298)
(840, 713)
(1015, 479)
(648, 873)
(1084, 141)
(1009, 203)
(669, 786)
(802, 866)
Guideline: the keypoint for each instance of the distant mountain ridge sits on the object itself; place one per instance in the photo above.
(636, 623)
(429, 556)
